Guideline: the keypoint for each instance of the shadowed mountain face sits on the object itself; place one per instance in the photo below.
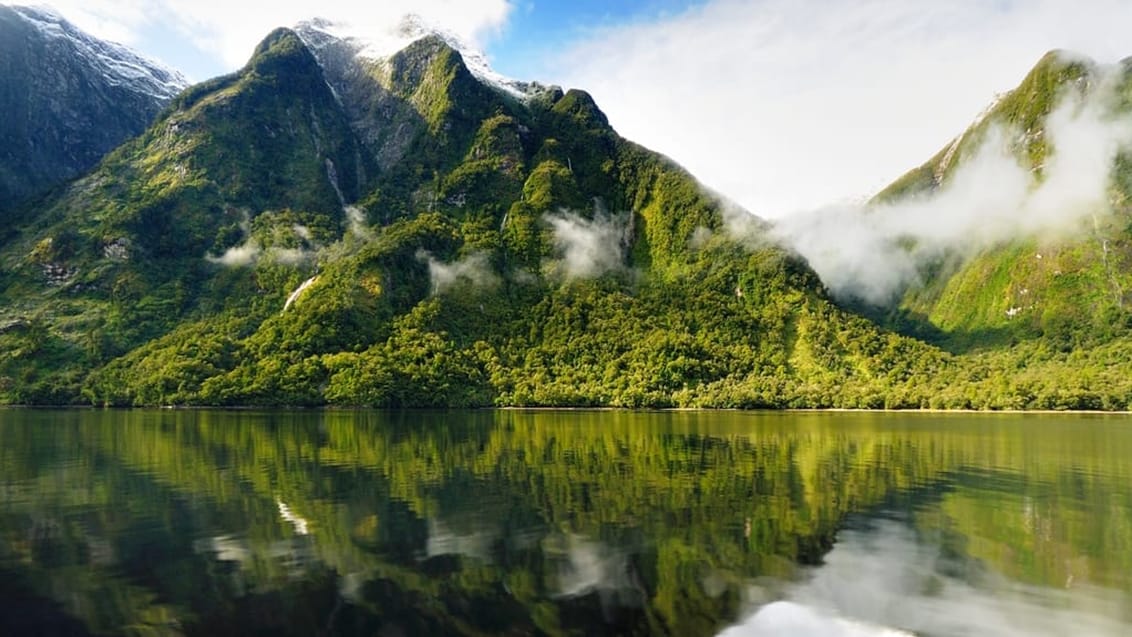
(68, 99)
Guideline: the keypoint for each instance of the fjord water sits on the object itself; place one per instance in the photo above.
(587, 523)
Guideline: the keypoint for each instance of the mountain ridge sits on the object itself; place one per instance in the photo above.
(320, 34)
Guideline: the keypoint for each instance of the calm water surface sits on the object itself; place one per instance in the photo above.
(580, 523)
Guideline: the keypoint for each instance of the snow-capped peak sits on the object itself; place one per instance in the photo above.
(120, 65)
(379, 44)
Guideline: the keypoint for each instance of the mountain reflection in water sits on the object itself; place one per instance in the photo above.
(563, 523)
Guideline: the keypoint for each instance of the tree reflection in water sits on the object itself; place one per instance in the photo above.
(558, 522)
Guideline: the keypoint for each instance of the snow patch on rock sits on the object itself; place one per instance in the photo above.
(119, 65)
(381, 44)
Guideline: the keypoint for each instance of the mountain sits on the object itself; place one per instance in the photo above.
(1021, 235)
(68, 99)
(328, 227)
(1064, 275)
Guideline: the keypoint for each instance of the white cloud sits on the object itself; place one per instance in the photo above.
(787, 105)
(230, 30)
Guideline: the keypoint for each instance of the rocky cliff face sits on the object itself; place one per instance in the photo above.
(68, 99)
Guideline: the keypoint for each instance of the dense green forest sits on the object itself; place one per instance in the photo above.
(337, 231)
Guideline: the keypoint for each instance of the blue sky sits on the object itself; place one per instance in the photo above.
(782, 105)
(537, 30)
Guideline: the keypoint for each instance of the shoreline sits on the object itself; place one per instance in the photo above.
(792, 410)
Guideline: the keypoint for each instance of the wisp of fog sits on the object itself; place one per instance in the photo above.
(588, 247)
(874, 252)
(474, 270)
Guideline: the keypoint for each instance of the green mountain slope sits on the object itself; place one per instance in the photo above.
(1066, 289)
(119, 257)
(319, 228)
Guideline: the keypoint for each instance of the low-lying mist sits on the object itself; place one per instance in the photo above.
(873, 252)
(251, 251)
(473, 270)
(306, 248)
(584, 248)
(587, 248)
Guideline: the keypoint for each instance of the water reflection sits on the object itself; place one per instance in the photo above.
(887, 579)
(562, 523)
